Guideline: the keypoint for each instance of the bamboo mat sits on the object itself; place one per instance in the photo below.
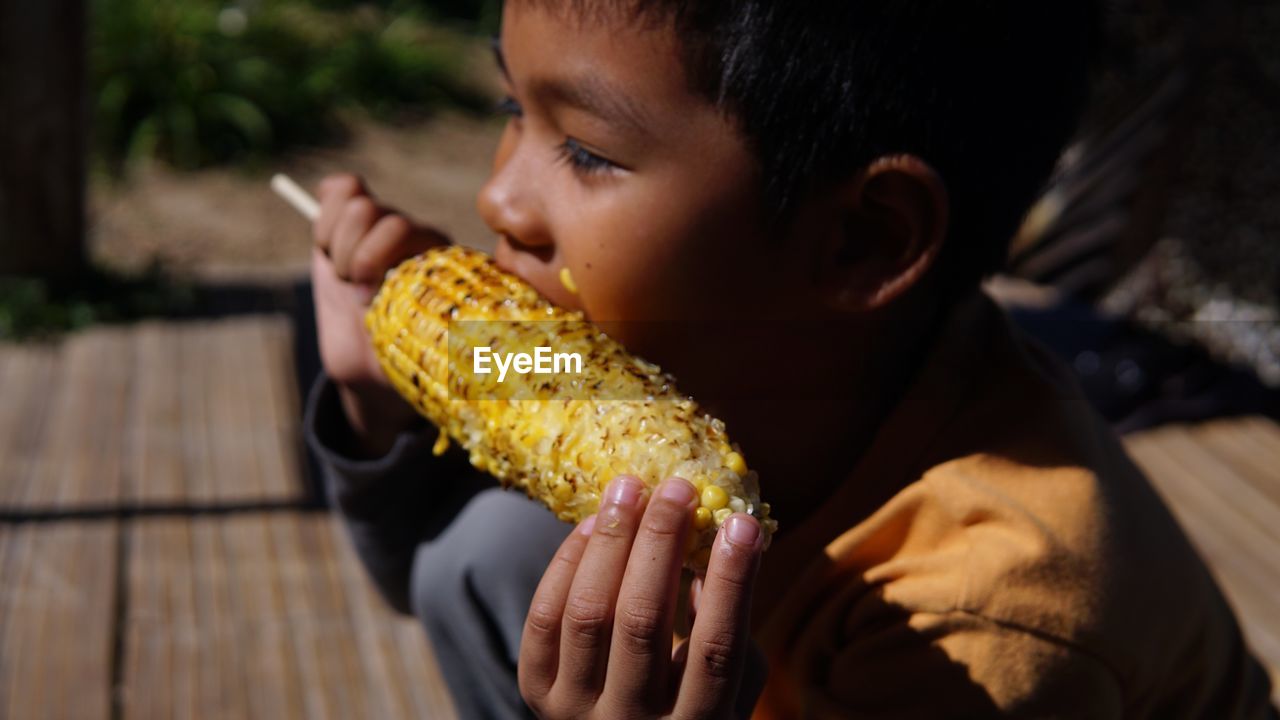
(57, 619)
(158, 556)
(1222, 481)
(154, 414)
(265, 616)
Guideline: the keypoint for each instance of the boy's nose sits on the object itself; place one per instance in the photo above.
(509, 208)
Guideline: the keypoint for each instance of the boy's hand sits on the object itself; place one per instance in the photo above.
(356, 242)
(597, 640)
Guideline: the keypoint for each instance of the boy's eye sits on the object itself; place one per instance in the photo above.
(583, 159)
(508, 106)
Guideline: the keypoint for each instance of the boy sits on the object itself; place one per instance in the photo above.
(818, 188)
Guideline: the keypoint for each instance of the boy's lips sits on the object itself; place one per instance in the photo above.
(534, 272)
(512, 261)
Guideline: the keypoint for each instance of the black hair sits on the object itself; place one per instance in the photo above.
(987, 92)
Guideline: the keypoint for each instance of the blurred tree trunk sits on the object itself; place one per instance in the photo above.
(43, 133)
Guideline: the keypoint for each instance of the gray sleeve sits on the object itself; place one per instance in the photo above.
(390, 505)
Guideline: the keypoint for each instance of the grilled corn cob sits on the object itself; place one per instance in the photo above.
(560, 439)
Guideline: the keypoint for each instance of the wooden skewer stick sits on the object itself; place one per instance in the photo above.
(300, 199)
(292, 192)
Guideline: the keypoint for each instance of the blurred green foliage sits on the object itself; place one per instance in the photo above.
(202, 82)
(36, 307)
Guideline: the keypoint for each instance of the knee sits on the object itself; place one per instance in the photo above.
(488, 562)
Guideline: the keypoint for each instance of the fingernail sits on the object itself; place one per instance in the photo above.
(741, 530)
(677, 490)
(624, 490)
(586, 526)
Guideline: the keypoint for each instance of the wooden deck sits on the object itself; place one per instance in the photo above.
(1222, 480)
(159, 554)
(160, 557)
(157, 414)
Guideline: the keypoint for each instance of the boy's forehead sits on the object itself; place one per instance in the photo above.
(623, 72)
(607, 14)
(597, 30)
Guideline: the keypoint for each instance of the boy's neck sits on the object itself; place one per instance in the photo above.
(814, 408)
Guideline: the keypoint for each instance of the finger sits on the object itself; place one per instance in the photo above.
(320, 263)
(392, 239)
(588, 613)
(359, 215)
(540, 640)
(640, 651)
(721, 634)
(333, 193)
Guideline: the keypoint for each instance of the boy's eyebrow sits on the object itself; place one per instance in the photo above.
(587, 93)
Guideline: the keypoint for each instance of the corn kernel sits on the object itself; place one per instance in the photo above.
(442, 444)
(702, 518)
(566, 279)
(714, 497)
(721, 515)
(562, 490)
(734, 462)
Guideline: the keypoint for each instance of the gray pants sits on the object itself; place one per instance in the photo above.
(471, 590)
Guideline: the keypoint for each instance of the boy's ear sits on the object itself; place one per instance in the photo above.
(895, 215)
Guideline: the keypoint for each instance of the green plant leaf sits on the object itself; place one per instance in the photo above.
(245, 117)
(171, 85)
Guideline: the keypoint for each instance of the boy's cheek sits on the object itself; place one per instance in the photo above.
(647, 273)
(668, 290)
(651, 248)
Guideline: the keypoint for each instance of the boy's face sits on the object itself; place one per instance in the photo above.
(614, 168)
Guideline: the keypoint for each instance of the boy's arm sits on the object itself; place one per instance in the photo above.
(892, 664)
(356, 241)
(392, 503)
(374, 449)
(857, 654)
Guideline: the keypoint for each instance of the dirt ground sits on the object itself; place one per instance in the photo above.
(227, 225)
